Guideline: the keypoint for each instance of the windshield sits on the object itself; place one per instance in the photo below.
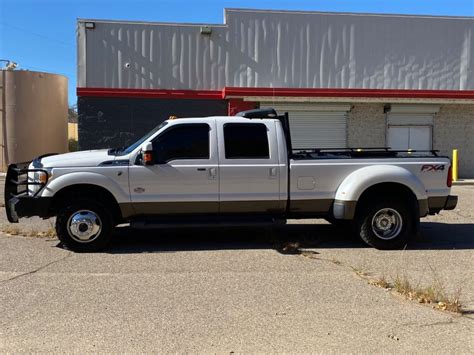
(131, 148)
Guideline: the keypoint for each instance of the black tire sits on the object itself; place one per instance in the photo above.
(391, 209)
(97, 242)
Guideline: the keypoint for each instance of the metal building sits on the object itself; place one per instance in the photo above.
(346, 79)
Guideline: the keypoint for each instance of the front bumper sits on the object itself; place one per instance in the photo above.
(19, 203)
(19, 207)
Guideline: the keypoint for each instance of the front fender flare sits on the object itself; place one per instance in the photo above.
(88, 178)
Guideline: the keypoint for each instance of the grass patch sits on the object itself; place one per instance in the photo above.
(381, 282)
(14, 231)
(51, 232)
(11, 230)
(434, 294)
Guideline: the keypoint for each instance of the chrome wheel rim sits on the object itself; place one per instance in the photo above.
(387, 223)
(84, 226)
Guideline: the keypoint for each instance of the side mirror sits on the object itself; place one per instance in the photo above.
(147, 153)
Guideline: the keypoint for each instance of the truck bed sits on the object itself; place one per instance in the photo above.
(317, 177)
(361, 153)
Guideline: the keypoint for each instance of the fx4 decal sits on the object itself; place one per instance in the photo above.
(432, 167)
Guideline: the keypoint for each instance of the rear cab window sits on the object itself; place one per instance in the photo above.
(246, 141)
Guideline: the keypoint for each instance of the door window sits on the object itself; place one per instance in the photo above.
(185, 141)
(246, 141)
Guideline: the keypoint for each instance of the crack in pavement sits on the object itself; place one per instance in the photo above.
(450, 321)
(295, 249)
(37, 269)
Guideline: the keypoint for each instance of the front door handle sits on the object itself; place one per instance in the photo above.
(201, 169)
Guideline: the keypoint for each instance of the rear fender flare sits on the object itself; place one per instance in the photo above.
(356, 183)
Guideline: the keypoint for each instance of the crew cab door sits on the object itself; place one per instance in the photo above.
(184, 177)
(248, 167)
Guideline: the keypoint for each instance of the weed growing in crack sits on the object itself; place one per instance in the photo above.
(381, 282)
(16, 231)
(12, 230)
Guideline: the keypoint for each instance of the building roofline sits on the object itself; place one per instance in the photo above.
(151, 23)
(267, 11)
(308, 12)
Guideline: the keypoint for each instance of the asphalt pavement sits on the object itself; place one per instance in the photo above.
(233, 290)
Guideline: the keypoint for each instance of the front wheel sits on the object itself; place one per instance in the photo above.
(84, 226)
(386, 224)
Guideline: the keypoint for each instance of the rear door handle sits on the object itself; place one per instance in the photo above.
(273, 172)
(201, 169)
(212, 173)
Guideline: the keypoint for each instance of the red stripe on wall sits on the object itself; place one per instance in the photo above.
(290, 92)
(150, 93)
(392, 93)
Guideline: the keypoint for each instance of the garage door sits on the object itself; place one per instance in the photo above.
(316, 126)
(408, 130)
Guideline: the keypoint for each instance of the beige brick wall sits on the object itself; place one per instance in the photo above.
(366, 126)
(454, 128)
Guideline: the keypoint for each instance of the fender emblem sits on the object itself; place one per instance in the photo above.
(139, 190)
(432, 167)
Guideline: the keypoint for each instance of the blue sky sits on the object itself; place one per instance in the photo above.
(40, 34)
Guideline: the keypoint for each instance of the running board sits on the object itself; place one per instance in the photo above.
(225, 221)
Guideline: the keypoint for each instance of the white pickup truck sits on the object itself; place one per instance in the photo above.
(229, 170)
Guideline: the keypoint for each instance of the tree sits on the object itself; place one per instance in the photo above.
(72, 114)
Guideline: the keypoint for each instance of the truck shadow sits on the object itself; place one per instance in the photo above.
(433, 236)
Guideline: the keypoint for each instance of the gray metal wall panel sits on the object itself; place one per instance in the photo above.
(285, 49)
(171, 57)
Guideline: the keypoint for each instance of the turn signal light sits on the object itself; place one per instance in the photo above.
(43, 178)
(147, 158)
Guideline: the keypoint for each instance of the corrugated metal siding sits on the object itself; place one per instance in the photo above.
(284, 49)
(151, 57)
(313, 127)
